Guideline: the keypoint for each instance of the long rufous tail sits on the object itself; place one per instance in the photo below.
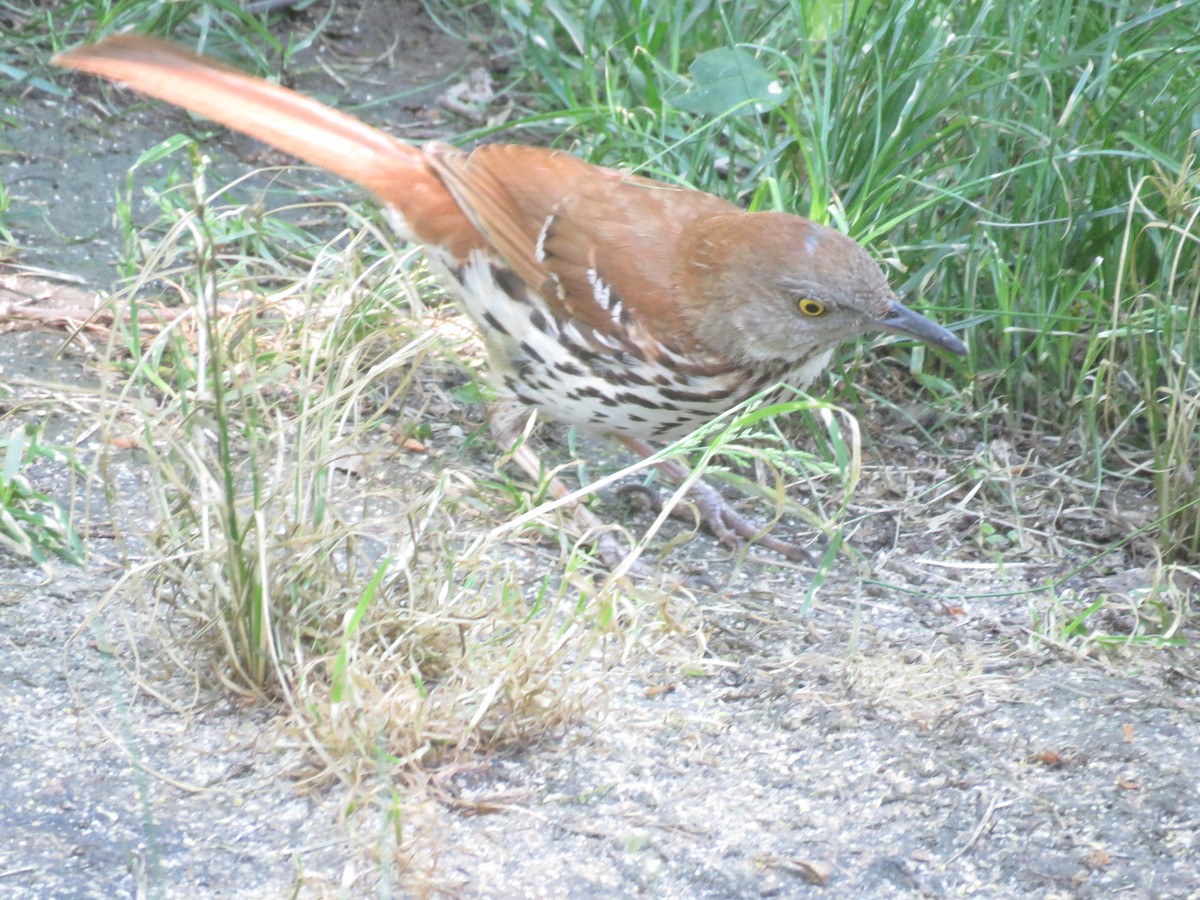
(396, 172)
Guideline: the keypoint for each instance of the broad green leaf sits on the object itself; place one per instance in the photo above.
(728, 80)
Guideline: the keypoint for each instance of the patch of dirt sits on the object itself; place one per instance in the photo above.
(66, 163)
(905, 736)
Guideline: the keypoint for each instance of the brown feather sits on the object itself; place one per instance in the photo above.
(603, 228)
(392, 170)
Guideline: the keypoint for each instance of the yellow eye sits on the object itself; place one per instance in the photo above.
(810, 307)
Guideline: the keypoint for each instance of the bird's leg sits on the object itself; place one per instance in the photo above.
(730, 527)
(507, 420)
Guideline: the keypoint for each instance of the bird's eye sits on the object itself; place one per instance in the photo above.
(810, 307)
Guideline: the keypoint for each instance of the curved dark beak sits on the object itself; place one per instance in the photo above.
(902, 320)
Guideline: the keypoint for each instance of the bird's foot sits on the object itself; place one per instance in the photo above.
(730, 527)
(507, 421)
(612, 553)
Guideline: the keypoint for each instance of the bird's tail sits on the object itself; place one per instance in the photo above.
(396, 172)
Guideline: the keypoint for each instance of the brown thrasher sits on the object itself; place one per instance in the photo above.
(606, 300)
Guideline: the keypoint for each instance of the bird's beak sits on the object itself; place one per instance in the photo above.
(902, 320)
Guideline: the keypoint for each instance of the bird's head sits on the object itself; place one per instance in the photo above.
(772, 287)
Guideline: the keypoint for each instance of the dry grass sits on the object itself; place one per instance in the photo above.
(306, 547)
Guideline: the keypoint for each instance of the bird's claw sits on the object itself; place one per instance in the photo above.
(730, 527)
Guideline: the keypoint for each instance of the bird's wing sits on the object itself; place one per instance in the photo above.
(600, 245)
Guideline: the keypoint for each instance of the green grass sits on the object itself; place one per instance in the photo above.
(7, 241)
(32, 523)
(35, 30)
(1029, 171)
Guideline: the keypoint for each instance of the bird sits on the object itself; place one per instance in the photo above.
(626, 306)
